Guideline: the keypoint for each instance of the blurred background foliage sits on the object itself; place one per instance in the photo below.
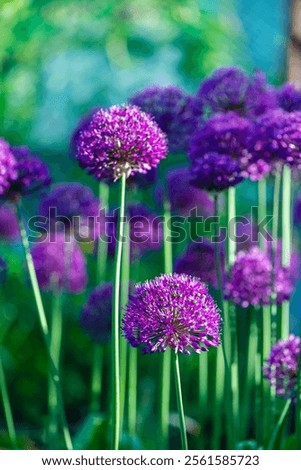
(59, 58)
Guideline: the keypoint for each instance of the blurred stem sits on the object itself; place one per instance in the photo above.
(219, 398)
(279, 424)
(132, 411)
(166, 357)
(262, 210)
(231, 220)
(55, 351)
(265, 347)
(96, 382)
(275, 228)
(116, 322)
(286, 241)
(102, 245)
(180, 401)
(7, 407)
(44, 326)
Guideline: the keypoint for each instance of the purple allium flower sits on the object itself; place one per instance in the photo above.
(9, 228)
(172, 311)
(8, 171)
(96, 316)
(3, 270)
(289, 97)
(117, 140)
(60, 264)
(173, 110)
(281, 367)
(184, 196)
(251, 278)
(199, 261)
(215, 172)
(32, 173)
(231, 89)
(277, 138)
(73, 206)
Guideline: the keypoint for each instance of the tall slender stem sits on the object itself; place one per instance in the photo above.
(132, 410)
(275, 228)
(102, 246)
(265, 347)
(96, 382)
(166, 359)
(180, 401)
(7, 407)
(279, 425)
(286, 241)
(116, 322)
(45, 330)
(262, 210)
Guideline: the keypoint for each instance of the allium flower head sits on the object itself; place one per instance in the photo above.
(198, 261)
(173, 110)
(251, 278)
(231, 89)
(96, 315)
(32, 173)
(277, 138)
(76, 208)
(3, 270)
(60, 264)
(9, 229)
(215, 172)
(289, 97)
(118, 140)
(281, 368)
(172, 311)
(8, 171)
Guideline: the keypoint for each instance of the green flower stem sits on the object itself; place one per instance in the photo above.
(262, 210)
(132, 410)
(275, 229)
(248, 379)
(203, 383)
(265, 347)
(180, 401)
(102, 246)
(7, 407)
(55, 350)
(116, 322)
(124, 296)
(219, 399)
(166, 357)
(279, 425)
(286, 241)
(96, 382)
(45, 330)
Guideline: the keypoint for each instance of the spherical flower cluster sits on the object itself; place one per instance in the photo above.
(231, 89)
(119, 140)
(9, 229)
(60, 264)
(199, 261)
(3, 270)
(281, 368)
(145, 231)
(8, 171)
(215, 172)
(74, 207)
(173, 110)
(289, 97)
(172, 311)
(32, 173)
(250, 281)
(277, 138)
(96, 315)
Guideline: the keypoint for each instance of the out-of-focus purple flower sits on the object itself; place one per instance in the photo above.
(198, 261)
(32, 173)
(172, 311)
(74, 207)
(145, 231)
(8, 172)
(250, 280)
(281, 367)
(80, 126)
(60, 264)
(118, 140)
(3, 270)
(277, 138)
(246, 231)
(215, 172)
(9, 229)
(231, 89)
(289, 97)
(184, 196)
(173, 110)
(96, 315)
